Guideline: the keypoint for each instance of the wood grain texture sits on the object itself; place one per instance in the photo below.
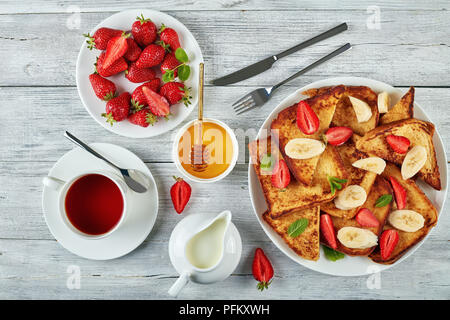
(39, 101)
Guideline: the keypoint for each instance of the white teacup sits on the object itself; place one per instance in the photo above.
(63, 187)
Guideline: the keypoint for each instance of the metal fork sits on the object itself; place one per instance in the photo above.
(260, 96)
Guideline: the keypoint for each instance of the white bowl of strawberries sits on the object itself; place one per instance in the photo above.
(137, 73)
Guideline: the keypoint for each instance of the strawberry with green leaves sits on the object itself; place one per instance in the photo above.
(133, 52)
(175, 92)
(180, 69)
(151, 56)
(169, 37)
(144, 31)
(143, 118)
(101, 37)
(104, 89)
(118, 66)
(169, 63)
(138, 100)
(117, 109)
(136, 75)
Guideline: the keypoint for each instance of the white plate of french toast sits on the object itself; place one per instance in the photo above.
(348, 176)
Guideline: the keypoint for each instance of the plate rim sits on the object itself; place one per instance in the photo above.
(277, 241)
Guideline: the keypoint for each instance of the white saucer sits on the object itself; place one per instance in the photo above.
(140, 219)
(232, 250)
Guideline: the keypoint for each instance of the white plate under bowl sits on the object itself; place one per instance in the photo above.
(140, 218)
(349, 266)
(85, 66)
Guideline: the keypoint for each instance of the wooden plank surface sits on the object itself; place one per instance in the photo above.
(39, 101)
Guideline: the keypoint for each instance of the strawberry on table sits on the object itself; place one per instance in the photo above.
(117, 109)
(169, 37)
(143, 118)
(180, 193)
(151, 56)
(133, 51)
(137, 75)
(175, 92)
(138, 100)
(170, 62)
(118, 66)
(157, 104)
(262, 269)
(104, 89)
(101, 37)
(144, 31)
(117, 47)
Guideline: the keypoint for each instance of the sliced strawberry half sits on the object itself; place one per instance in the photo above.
(281, 175)
(157, 104)
(399, 144)
(307, 120)
(399, 193)
(388, 241)
(366, 218)
(116, 48)
(337, 136)
(327, 229)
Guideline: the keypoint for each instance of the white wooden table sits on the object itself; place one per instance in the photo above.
(39, 43)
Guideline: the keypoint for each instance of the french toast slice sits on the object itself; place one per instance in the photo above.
(296, 195)
(379, 188)
(307, 244)
(403, 109)
(285, 128)
(363, 178)
(415, 200)
(419, 133)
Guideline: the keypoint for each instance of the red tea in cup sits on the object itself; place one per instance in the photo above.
(94, 204)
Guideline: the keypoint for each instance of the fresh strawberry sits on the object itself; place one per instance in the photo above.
(337, 136)
(143, 118)
(138, 100)
(175, 92)
(307, 120)
(133, 51)
(104, 89)
(180, 193)
(170, 37)
(262, 269)
(280, 175)
(398, 143)
(366, 218)
(170, 63)
(327, 229)
(101, 37)
(158, 104)
(137, 75)
(116, 48)
(151, 56)
(118, 66)
(388, 241)
(144, 31)
(117, 109)
(399, 193)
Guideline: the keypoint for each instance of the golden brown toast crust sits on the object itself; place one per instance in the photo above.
(296, 196)
(404, 109)
(418, 132)
(285, 128)
(363, 178)
(415, 200)
(380, 187)
(307, 244)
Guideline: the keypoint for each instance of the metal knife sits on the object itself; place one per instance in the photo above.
(267, 63)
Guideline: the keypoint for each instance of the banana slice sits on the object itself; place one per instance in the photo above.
(383, 102)
(357, 238)
(406, 220)
(362, 109)
(372, 164)
(413, 162)
(303, 148)
(350, 197)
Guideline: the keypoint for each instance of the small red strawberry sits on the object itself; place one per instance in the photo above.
(133, 51)
(144, 31)
(170, 37)
(117, 109)
(399, 144)
(151, 56)
(118, 66)
(175, 92)
(262, 269)
(170, 63)
(101, 37)
(143, 118)
(138, 100)
(137, 75)
(158, 104)
(116, 48)
(104, 89)
(180, 193)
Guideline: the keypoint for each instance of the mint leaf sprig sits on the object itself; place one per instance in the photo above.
(297, 227)
(332, 255)
(183, 69)
(384, 200)
(335, 183)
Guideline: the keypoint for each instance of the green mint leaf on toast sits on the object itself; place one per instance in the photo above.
(384, 200)
(335, 183)
(297, 227)
(331, 254)
(266, 162)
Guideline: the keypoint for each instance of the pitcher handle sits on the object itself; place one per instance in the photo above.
(182, 280)
(53, 183)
